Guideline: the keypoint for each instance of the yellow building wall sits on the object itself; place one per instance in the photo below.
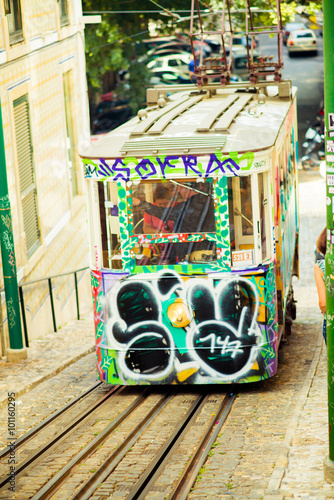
(36, 67)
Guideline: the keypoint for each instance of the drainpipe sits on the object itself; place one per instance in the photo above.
(328, 33)
(16, 351)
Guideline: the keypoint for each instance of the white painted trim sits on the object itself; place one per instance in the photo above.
(90, 19)
(3, 57)
(57, 228)
(20, 274)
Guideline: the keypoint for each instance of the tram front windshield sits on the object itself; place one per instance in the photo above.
(181, 208)
(167, 222)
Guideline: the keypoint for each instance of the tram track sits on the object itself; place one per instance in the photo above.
(47, 421)
(57, 438)
(150, 428)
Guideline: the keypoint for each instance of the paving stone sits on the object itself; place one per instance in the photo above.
(274, 442)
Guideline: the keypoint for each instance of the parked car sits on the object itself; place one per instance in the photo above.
(302, 41)
(152, 43)
(109, 120)
(168, 77)
(104, 106)
(173, 43)
(214, 45)
(168, 49)
(239, 43)
(289, 27)
(198, 44)
(176, 63)
(162, 52)
(240, 62)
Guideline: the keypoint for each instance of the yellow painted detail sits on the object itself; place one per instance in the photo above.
(184, 374)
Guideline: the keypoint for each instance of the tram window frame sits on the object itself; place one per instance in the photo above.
(211, 256)
(247, 250)
(264, 214)
(283, 181)
(109, 225)
(242, 240)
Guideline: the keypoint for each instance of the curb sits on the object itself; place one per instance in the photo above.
(283, 456)
(52, 373)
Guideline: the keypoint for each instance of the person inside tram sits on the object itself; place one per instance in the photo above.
(192, 215)
(319, 274)
(152, 224)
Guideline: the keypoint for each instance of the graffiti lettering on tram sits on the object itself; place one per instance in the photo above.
(154, 167)
(138, 324)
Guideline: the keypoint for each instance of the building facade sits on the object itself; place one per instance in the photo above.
(45, 117)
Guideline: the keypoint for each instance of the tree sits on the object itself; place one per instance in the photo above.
(114, 44)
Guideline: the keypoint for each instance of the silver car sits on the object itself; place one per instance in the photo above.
(302, 41)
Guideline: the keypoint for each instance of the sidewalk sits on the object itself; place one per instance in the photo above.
(47, 357)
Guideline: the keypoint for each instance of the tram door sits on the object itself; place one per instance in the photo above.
(242, 213)
(249, 218)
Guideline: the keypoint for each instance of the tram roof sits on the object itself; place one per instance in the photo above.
(196, 122)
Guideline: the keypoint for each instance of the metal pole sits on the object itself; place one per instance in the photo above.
(77, 294)
(328, 16)
(52, 306)
(9, 261)
(24, 319)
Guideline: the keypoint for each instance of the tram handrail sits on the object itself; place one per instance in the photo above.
(49, 280)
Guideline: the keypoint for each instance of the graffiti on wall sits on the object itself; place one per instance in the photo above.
(166, 166)
(225, 334)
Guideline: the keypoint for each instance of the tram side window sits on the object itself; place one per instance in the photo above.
(264, 215)
(240, 214)
(110, 229)
(178, 207)
(283, 185)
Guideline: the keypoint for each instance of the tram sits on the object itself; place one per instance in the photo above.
(193, 219)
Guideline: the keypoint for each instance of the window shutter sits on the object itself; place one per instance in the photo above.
(26, 173)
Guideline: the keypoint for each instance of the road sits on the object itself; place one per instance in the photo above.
(307, 74)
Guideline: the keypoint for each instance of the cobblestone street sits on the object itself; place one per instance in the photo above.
(276, 437)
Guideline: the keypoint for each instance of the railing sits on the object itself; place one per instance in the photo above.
(49, 280)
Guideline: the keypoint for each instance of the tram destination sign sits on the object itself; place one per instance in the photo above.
(175, 166)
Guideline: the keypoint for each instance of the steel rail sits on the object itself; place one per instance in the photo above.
(59, 478)
(153, 471)
(113, 460)
(58, 438)
(190, 474)
(42, 425)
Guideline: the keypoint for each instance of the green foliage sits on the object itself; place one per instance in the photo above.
(113, 44)
(200, 474)
(103, 52)
(135, 87)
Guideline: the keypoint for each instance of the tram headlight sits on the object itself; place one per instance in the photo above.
(178, 314)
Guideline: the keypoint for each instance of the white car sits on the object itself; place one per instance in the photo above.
(177, 63)
(302, 41)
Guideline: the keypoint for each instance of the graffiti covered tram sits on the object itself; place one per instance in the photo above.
(192, 211)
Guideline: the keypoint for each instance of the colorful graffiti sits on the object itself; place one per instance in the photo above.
(129, 240)
(172, 166)
(229, 333)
